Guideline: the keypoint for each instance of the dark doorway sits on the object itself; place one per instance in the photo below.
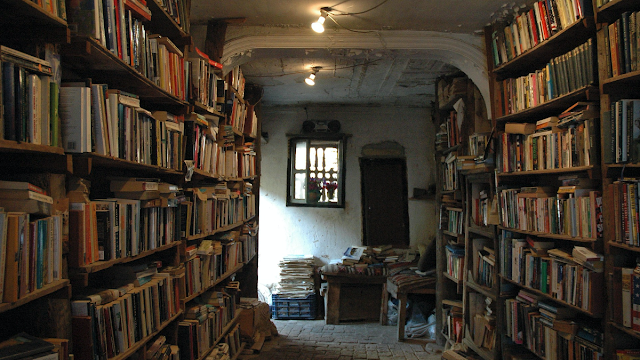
(385, 211)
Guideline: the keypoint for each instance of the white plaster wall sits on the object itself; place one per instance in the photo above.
(325, 233)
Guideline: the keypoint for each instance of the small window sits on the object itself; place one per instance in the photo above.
(316, 171)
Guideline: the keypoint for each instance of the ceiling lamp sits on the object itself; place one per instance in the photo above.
(311, 80)
(317, 26)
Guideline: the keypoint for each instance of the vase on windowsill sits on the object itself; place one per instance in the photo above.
(330, 194)
(313, 197)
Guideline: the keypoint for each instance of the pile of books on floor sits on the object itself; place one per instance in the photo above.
(296, 276)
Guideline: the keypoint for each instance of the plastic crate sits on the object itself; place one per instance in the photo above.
(289, 309)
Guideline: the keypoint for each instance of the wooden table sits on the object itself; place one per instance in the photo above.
(401, 295)
(353, 297)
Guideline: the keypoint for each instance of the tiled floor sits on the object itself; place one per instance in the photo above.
(311, 340)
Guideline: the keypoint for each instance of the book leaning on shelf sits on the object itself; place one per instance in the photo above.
(29, 99)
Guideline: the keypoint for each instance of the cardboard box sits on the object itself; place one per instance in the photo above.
(248, 321)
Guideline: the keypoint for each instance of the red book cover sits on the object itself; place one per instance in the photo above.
(116, 5)
(533, 27)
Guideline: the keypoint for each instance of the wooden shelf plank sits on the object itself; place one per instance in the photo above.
(549, 297)
(550, 236)
(85, 163)
(101, 265)
(222, 229)
(202, 109)
(15, 146)
(25, 12)
(490, 293)
(553, 106)
(486, 231)
(625, 330)
(484, 353)
(612, 10)
(537, 57)
(547, 171)
(624, 246)
(44, 291)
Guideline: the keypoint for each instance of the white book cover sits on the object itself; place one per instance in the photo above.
(98, 122)
(627, 291)
(34, 123)
(71, 119)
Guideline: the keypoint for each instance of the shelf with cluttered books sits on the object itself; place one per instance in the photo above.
(84, 164)
(526, 173)
(35, 17)
(549, 235)
(220, 279)
(87, 57)
(553, 106)
(170, 19)
(553, 45)
(36, 294)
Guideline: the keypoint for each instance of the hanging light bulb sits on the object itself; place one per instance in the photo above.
(317, 26)
(311, 79)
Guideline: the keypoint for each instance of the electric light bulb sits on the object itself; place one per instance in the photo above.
(317, 26)
(310, 80)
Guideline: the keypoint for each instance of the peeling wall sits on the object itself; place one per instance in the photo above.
(325, 233)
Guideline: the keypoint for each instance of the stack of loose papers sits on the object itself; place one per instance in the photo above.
(296, 276)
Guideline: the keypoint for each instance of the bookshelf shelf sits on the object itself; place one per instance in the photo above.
(550, 236)
(25, 12)
(624, 246)
(547, 296)
(219, 230)
(133, 349)
(553, 106)
(201, 108)
(490, 293)
(216, 282)
(101, 265)
(457, 281)
(614, 8)
(164, 24)
(484, 353)
(45, 290)
(574, 169)
(538, 56)
(449, 233)
(487, 231)
(239, 352)
(89, 58)
(625, 330)
(84, 164)
(15, 146)
(621, 81)
(453, 148)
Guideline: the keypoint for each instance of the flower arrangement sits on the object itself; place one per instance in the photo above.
(331, 186)
(315, 185)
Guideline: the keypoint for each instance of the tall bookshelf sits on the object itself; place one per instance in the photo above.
(457, 99)
(39, 307)
(142, 142)
(532, 181)
(617, 84)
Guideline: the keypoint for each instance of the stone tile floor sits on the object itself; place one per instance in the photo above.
(312, 339)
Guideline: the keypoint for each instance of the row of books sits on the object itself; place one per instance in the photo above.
(621, 132)
(481, 207)
(207, 86)
(449, 133)
(551, 147)
(621, 44)
(449, 172)
(108, 323)
(455, 221)
(208, 262)
(546, 330)
(161, 350)
(625, 197)
(211, 208)
(533, 25)
(179, 11)
(484, 263)
(455, 261)
(560, 76)
(236, 80)
(482, 320)
(553, 271)
(29, 99)
(54, 7)
(564, 211)
(453, 323)
(624, 296)
(30, 253)
(111, 122)
(203, 325)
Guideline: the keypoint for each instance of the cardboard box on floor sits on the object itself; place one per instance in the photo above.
(248, 321)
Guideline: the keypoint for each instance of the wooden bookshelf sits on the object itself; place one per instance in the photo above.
(552, 107)
(23, 147)
(84, 165)
(202, 109)
(163, 23)
(44, 291)
(536, 57)
(138, 345)
(575, 169)
(101, 265)
(225, 331)
(624, 81)
(624, 246)
(486, 231)
(484, 353)
(219, 230)
(488, 292)
(626, 330)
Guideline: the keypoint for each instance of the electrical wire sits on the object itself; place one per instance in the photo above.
(346, 28)
(342, 13)
(306, 71)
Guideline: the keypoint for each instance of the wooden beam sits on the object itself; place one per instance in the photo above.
(216, 33)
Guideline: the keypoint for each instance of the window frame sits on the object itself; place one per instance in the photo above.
(308, 138)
